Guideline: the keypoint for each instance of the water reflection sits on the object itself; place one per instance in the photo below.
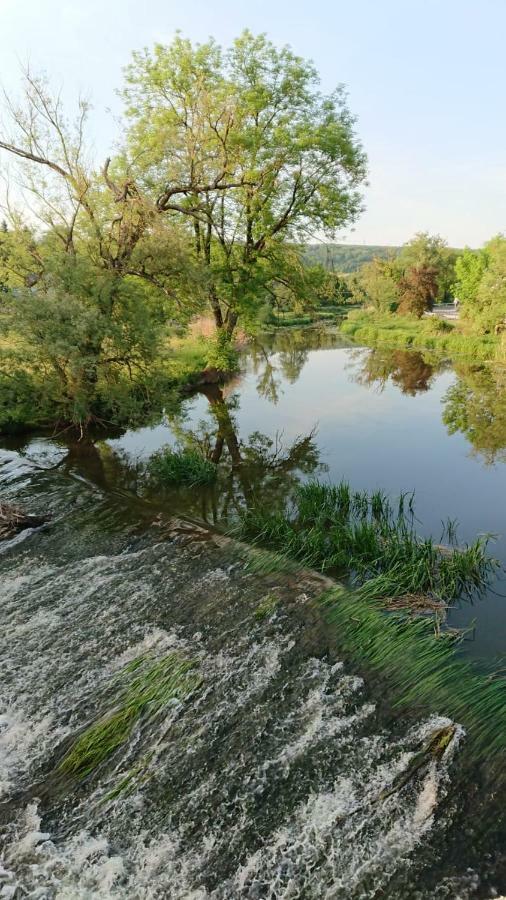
(475, 406)
(258, 469)
(384, 419)
(279, 357)
(407, 369)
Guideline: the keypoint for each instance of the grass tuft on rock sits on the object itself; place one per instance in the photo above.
(146, 686)
(267, 607)
(181, 467)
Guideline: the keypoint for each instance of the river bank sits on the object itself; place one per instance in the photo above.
(376, 330)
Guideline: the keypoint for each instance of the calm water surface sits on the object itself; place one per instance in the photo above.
(378, 419)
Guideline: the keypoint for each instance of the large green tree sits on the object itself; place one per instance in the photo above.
(242, 149)
(431, 251)
(469, 269)
(489, 309)
(95, 269)
(378, 280)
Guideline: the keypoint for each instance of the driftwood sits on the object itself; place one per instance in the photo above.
(14, 520)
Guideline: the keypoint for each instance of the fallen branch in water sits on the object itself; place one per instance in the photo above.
(13, 520)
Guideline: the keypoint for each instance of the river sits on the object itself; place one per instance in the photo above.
(269, 776)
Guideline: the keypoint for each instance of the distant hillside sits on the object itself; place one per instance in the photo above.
(345, 257)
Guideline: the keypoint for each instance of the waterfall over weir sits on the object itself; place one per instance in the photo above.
(272, 775)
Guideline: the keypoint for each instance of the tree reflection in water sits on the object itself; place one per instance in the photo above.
(282, 355)
(263, 469)
(475, 406)
(409, 370)
(260, 469)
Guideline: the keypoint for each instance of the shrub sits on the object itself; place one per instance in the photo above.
(221, 353)
(440, 326)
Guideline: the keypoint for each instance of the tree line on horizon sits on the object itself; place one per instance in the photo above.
(426, 271)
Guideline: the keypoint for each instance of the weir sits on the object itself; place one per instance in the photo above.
(278, 772)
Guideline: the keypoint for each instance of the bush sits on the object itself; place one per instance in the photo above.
(221, 353)
(439, 326)
(182, 467)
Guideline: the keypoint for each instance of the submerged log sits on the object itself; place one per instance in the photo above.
(13, 520)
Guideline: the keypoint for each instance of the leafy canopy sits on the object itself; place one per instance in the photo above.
(246, 153)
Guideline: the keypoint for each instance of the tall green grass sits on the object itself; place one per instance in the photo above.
(145, 686)
(380, 329)
(422, 673)
(375, 545)
(365, 538)
(181, 467)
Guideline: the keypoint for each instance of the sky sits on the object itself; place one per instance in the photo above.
(425, 78)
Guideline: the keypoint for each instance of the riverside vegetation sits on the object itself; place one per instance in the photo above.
(229, 159)
(397, 291)
(391, 613)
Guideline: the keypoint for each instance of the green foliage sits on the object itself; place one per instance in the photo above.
(221, 353)
(20, 258)
(201, 208)
(408, 279)
(263, 157)
(337, 530)
(145, 687)
(469, 269)
(440, 326)
(491, 294)
(25, 400)
(267, 607)
(86, 333)
(181, 467)
(480, 286)
(475, 407)
(427, 251)
(374, 330)
(378, 280)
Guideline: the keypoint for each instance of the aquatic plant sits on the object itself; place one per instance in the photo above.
(363, 537)
(266, 607)
(183, 467)
(145, 687)
(132, 779)
(421, 672)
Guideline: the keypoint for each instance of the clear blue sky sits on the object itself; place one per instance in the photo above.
(426, 78)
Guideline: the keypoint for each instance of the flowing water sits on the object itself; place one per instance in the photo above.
(279, 772)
